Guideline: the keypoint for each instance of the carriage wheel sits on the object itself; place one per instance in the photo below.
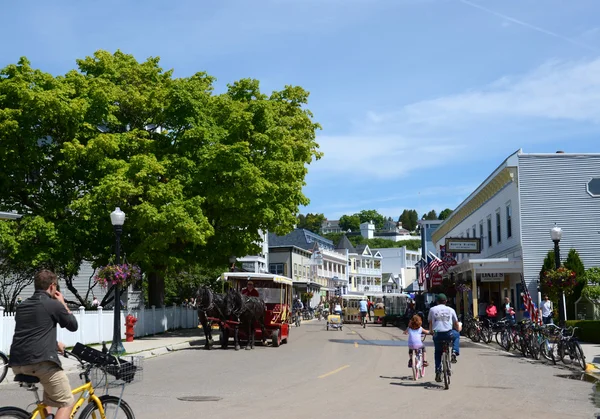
(276, 338)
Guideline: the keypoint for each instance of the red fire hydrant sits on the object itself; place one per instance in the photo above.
(130, 321)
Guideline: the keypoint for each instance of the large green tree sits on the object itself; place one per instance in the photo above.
(444, 214)
(574, 263)
(312, 222)
(409, 219)
(350, 222)
(372, 215)
(197, 174)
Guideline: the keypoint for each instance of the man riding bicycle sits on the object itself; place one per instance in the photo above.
(444, 324)
(34, 346)
(364, 308)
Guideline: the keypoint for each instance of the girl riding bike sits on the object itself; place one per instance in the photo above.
(414, 332)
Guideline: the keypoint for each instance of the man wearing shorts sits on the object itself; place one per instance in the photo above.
(364, 307)
(34, 349)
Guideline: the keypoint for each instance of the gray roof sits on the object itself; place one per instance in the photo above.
(344, 243)
(301, 238)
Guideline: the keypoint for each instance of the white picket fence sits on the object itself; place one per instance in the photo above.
(97, 326)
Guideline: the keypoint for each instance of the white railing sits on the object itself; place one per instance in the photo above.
(97, 325)
(369, 271)
(370, 288)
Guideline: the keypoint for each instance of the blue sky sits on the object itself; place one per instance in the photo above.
(420, 100)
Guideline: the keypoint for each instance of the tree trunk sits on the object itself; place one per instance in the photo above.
(71, 287)
(156, 288)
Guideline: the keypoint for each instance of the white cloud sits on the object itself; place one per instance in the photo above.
(506, 114)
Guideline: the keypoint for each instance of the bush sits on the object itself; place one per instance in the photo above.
(589, 330)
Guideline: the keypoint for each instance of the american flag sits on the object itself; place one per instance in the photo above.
(435, 262)
(421, 264)
(528, 303)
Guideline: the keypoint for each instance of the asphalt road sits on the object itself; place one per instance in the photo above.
(354, 373)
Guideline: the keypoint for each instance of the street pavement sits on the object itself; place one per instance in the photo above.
(352, 373)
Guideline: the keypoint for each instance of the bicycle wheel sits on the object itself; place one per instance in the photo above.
(546, 349)
(13, 413)
(579, 355)
(446, 370)
(3, 366)
(114, 408)
(564, 353)
(414, 365)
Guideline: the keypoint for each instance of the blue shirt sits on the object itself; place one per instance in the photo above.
(363, 306)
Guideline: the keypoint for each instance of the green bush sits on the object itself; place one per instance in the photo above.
(589, 330)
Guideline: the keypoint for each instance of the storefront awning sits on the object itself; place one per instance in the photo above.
(492, 265)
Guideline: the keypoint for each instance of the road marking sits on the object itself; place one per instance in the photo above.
(353, 332)
(334, 371)
(356, 344)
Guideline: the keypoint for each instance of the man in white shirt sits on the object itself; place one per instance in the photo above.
(444, 324)
(547, 310)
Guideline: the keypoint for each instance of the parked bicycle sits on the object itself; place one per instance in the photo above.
(98, 367)
(567, 344)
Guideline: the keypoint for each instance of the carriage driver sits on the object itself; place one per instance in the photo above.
(250, 291)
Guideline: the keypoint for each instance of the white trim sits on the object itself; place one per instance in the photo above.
(258, 276)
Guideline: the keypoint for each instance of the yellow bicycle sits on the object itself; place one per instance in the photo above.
(93, 362)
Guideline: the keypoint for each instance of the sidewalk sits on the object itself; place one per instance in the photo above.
(148, 347)
(592, 356)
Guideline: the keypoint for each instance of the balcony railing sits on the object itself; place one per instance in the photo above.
(370, 288)
(369, 271)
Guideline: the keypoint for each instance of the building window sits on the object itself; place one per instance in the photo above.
(276, 268)
(474, 232)
(489, 230)
(498, 227)
(593, 187)
(481, 229)
(508, 220)
(295, 269)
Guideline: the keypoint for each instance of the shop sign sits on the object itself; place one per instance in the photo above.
(461, 245)
(492, 277)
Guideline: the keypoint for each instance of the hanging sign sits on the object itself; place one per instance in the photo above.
(492, 277)
(461, 245)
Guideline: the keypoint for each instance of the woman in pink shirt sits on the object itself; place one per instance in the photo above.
(491, 311)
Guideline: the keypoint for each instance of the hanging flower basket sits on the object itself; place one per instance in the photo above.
(562, 278)
(462, 287)
(123, 275)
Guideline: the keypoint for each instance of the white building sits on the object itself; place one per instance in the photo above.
(392, 231)
(258, 263)
(292, 255)
(364, 268)
(512, 212)
(398, 269)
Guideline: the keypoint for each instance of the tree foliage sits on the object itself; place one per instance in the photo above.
(350, 222)
(198, 174)
(312, 222)
(574, 263)
(409, 219)
(372, 215)
(431, 215)
(445, 214)
(591, 288)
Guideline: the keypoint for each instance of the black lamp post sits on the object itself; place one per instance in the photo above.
(117, 218)
(556, 234)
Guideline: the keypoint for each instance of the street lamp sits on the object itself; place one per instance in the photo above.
(117, 218)
(232, 260)
(556, 234)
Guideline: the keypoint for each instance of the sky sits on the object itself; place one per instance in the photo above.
(419, 100)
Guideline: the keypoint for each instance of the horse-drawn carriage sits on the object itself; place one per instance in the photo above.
(276, 292)
(245, 317)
